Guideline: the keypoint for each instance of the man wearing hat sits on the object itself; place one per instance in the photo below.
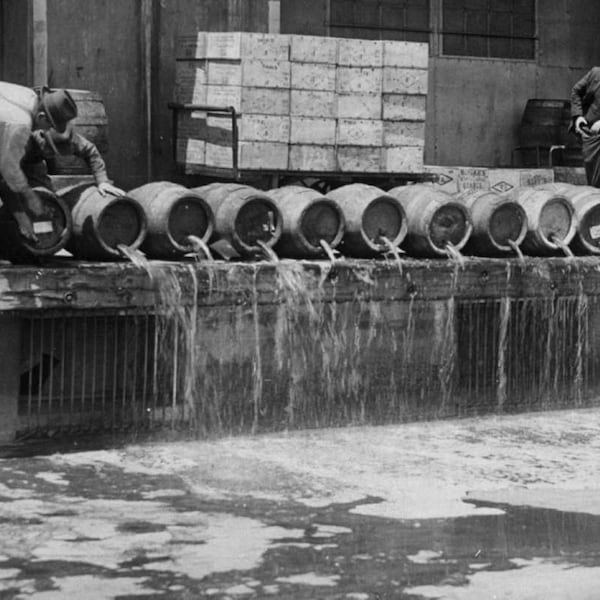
(27, 116)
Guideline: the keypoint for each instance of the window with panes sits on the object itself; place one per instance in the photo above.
(489, 28)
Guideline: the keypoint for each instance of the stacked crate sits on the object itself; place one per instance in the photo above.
(307, 103)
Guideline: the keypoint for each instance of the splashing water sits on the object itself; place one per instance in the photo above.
(454, 254)
(517, 250)
(328, 250)
(199, 245)
(135, 257)
(561, 244)
(268, 251)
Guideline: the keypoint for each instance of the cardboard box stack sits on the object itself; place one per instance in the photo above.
(307, 103)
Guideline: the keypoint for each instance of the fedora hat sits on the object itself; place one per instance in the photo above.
(59, 106)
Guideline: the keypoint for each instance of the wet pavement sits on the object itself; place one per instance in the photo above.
(494, 507)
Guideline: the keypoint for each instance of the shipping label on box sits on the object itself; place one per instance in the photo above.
(224, 72)
(404, 81)
(359, 132)
(224, 45)
(266, 128)
(305, 157)
(501, 181)
(359, 106)
(263, 155)
(308, 130)
(313, 76)
(265, 46)
(224, 96)
(405, 107)
(403, 159)
(446, 177)
(358, 80)
(414, 55)
(310, 103)
(403, 133)
(269, 101)
(266, 73)
(219, 156)
(360, 53)
(359, 159)
(313, 49)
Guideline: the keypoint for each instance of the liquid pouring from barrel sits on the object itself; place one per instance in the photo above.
(436, 222)
(103, 224)
(373, 220)
(551, 222)
(585, 200)
(243, 217)
(499, 223)
(173, 214)
(310, 222)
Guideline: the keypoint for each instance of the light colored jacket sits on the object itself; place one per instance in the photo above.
(18, 105)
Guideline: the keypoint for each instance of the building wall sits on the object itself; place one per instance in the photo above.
(474, 105)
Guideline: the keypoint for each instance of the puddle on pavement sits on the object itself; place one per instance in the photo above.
(140, 535)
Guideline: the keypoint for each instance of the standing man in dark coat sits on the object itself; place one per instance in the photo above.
(585, 120)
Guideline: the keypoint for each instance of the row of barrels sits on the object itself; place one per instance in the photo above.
(167, 221)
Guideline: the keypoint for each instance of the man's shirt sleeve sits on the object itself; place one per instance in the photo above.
(13, 142)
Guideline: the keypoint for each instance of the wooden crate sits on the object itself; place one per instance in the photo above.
(360, 53)
(359, 159)
(405, 54)
(313, 76)
(311, 103)
(358, 80)
(402, 159)
(407, 107)
(265, 73)
(398, 80)
(267, 101)
(359, 106)
(403, 133)
(308, 130)
(311, 157)
(313, 49)
(266, 46)
(359, 132)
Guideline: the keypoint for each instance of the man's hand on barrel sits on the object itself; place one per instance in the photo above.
(34, 203)
(108, 188)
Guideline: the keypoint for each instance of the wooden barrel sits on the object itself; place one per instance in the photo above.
(53, 230)
(550, 220)
(308, 218)
(585, 200)
(497, 220)
(102, 223)
(435, 220)
(372, 216)
(92, 123)
(545, 122)
(244, 216)
(173, 213)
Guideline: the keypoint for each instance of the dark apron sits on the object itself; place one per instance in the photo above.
(590, 150)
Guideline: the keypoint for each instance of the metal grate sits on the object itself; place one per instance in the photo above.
(96, 372)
